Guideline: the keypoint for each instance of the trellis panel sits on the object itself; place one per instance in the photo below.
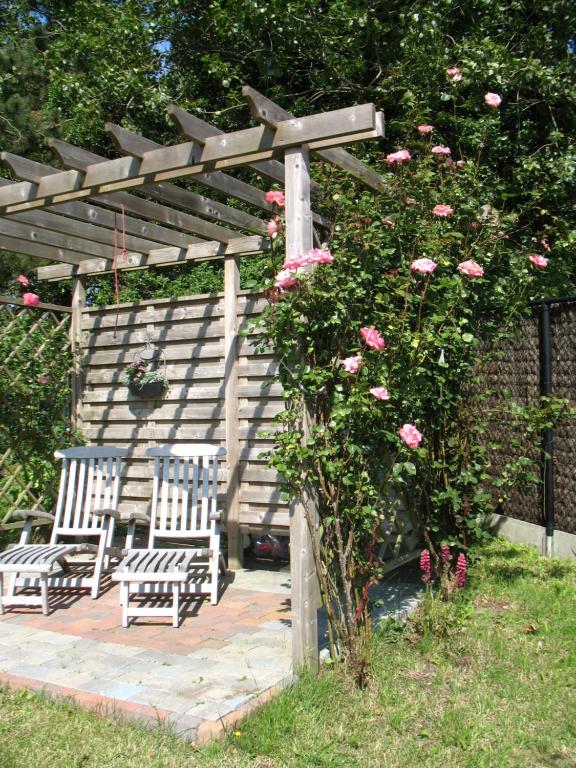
(29, 338)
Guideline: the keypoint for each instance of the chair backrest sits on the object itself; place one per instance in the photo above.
(90, 480)
(184, 493)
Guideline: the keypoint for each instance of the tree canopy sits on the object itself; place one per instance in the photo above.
(69, 67)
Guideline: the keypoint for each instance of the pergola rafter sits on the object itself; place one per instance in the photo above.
(70, 217)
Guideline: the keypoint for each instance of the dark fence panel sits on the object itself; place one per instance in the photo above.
(516, 376)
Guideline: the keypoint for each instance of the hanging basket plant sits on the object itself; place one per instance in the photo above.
(144, 377)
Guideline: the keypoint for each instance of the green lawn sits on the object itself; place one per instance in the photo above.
(499, 689)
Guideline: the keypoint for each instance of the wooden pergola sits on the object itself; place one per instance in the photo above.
(69, 217)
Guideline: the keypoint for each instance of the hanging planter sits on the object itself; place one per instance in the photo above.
(143, 377)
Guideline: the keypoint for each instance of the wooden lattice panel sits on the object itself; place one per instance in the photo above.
(34, 364)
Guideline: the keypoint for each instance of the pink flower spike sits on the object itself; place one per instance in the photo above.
(454, 74)
(540, 262)
(23, 280)
(285, 279)
(423, 266)
(442, 210)
(470, 268)
(461, 567)
(380, 392)
(492, 100)
(402, 156)
(425, 566)
(353, 364)
(440, 150)
(425, 128)
(31, 299)
(372, 338)
(410, 436)
(275, 197)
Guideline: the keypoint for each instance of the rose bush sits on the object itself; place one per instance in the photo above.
(379, 349)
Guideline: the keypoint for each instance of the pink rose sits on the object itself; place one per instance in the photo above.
(31, 299)
(274, 227)
(425, 128)
(380, 392)
(353, 364)
(401, 156)
(460, 163)
(442, 210)
(285, 279)
(492, 100)
(23, 280)
(276, 198)
(372, 338)
(423, 266)
(440, 150)
(470, 268)
(540, 262)
(314, 256)
(454, 74)
(410, 435)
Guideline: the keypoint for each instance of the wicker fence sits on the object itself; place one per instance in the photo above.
(517, 375)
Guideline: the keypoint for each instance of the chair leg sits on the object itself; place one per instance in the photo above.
(100, 556)
(124, 598)
(176, 604)
(44, 592)
(1, 593)
(214, 568)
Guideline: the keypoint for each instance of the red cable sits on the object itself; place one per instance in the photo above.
(115, 267)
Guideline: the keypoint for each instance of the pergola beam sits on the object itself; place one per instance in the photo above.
(198, 130)
(269, 113)
(41, 250)
(137, 146)
(78, 245)
(29, 170)
(233, 149)
(161, 257)
(33, 171)
(88, 162)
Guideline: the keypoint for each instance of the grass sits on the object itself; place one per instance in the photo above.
(496, 689)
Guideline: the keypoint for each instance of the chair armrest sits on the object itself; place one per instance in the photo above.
(137, 517)
(40, 514)
(108, 513)
(216, 516)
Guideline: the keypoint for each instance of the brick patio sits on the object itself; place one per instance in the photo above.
(200, 678)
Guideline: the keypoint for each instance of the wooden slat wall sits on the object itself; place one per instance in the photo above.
(190, 331)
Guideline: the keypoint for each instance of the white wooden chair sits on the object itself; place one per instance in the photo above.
(184, 508)
(86, 509)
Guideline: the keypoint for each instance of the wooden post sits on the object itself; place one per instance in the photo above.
(299, 239)
(77, 384)
(231, 288)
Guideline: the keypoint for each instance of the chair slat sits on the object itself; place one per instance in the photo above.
(79, 492)
(194, 509)
(185, 511)
(89, 492)
(175, 512)
(205, 491)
